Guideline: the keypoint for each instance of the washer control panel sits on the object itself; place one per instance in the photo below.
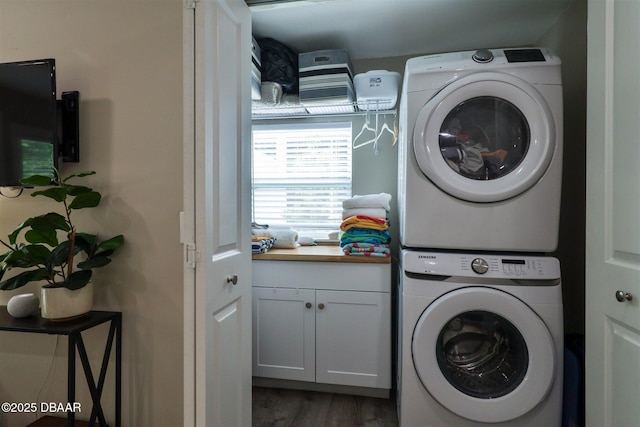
(486, 265)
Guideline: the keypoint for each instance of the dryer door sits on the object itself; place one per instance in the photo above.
(483, 354)
(485, 137)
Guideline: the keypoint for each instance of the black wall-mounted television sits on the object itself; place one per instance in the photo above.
(35, 128)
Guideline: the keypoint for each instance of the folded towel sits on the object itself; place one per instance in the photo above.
(362, 221)
(362, 235)
(380, 200)
(261, 246)
(366, 249)
(285, 238)
(373, 212)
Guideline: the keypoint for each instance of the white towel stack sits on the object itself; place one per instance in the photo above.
(374, 205)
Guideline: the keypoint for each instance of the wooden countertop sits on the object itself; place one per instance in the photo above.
(320, 253)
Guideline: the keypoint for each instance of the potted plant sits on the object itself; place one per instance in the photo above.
(49, 248)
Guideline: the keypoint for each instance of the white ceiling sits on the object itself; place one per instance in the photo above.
(386, 28)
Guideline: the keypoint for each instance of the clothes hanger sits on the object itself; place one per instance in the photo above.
(393, 132)
(385, 128)
(365, 128)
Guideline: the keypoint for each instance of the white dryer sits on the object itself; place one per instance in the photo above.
(480, 156)
(480, 340)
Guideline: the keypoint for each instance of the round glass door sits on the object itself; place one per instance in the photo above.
(484, 138)
(482, 354)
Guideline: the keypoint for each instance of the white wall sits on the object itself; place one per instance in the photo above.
(125, 58)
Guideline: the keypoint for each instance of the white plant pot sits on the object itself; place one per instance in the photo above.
(62, 303)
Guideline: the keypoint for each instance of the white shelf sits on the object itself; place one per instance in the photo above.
(262, 111)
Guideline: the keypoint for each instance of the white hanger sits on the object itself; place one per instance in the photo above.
(374, 140)
(365, 127)
(393, 132)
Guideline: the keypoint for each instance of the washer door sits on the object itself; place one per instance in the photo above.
(485, 137)
(483, 354)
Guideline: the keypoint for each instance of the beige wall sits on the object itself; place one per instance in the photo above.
(125, 58)
(568, 38)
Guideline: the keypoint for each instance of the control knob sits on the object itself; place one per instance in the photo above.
(482, 56)
(479, 265)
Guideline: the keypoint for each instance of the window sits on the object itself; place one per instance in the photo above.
(301, 175)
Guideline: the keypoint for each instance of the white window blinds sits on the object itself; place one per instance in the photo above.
(301, 174)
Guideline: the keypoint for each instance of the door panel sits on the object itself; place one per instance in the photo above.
(284, 335)
(530, 138)
(613, 215)
(353, 336)
(540, 349)
(218, 361)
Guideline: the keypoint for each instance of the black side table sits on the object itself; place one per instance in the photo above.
(73, 330)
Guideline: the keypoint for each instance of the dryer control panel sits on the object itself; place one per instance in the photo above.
(485, 265)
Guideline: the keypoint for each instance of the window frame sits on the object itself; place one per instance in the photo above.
(321, 229)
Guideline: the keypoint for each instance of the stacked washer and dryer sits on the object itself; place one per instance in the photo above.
(480, 339)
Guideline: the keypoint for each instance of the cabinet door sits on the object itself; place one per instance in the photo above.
(284, 333)
(353, 338)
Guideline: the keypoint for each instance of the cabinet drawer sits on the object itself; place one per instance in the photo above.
(322, 275)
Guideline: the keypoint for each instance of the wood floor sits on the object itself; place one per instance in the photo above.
(274, 407)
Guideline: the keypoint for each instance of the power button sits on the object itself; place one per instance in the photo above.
(479, 265)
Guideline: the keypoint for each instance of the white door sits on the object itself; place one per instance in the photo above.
(495, 135)
(496, 357)
(284, 333)
(217, 214)
(613, 215)
(353, 332)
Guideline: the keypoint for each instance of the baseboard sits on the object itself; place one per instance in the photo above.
(326, 388)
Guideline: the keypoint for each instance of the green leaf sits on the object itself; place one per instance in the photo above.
(79, 175)
(48, 221)
(38, 254)
(60, 254)
(75, 190)
(86, 239)
(14, 234)
(58, 194)
(22, 279)
(50, 237)
(51, 220)
(86, 200)
(113, 243)
(37, 180)
(95, 262)
(77, 280)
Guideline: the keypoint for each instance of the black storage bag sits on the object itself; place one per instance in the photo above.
(279, 64)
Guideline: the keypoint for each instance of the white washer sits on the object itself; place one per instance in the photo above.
(480, 340)
(480, 157)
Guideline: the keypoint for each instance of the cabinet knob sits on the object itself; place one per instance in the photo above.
(622, 296)
(232, 279)
(308, 305)
(321, 306)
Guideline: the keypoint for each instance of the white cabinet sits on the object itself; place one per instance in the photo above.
(322, 322)
(284, 323)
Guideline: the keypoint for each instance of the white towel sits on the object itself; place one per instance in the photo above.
(286, 238)
(380, 200)
(373, 212)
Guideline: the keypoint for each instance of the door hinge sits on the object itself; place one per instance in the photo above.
(191, 255)
(190, 4)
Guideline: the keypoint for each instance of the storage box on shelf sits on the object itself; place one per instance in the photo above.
(326, 81)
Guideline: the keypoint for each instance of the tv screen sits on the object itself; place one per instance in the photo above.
(28, 133)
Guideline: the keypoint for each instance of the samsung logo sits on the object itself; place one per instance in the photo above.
(427, 257)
